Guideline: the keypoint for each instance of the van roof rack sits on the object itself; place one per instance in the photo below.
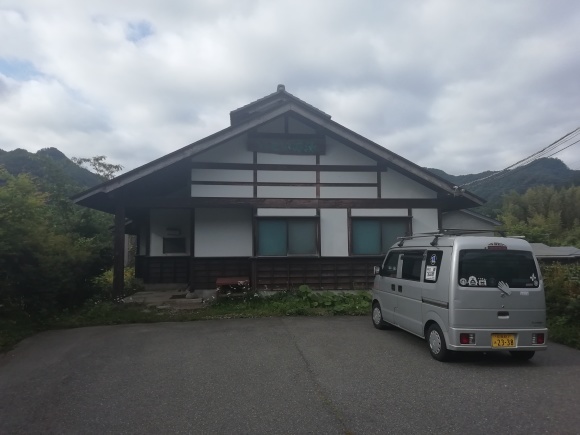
(447, 232)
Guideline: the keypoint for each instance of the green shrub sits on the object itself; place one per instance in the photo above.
(104, 284)
(562, 283)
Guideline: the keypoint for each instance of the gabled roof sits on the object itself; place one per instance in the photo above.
(259, 112)
(545, 252)
(269, 102)
(479, 216)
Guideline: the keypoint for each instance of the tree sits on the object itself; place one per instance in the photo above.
(544, 215)
(99, 166)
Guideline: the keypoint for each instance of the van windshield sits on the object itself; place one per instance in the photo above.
(486, 268)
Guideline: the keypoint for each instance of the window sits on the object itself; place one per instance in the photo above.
(374, 236)
(412, 262)
(287, 236)
(486, 268)
(174, 245)
(390, 267)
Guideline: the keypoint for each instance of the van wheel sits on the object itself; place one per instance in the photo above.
(437, 345)
(377, 316)
(522, 355)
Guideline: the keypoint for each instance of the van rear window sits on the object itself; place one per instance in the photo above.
(486, 268)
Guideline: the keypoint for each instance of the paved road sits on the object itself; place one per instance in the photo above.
(288, 375)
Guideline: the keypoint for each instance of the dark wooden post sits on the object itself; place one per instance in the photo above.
(192, 250)
(119, 252)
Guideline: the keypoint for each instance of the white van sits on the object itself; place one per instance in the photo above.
(463, 293)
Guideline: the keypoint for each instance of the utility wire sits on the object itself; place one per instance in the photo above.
(518, 169)
(537, 155)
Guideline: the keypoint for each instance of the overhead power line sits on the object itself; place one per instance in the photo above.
(552, 149)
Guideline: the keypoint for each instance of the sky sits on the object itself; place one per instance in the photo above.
(463, 86)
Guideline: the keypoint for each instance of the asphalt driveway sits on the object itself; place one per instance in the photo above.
(279, 375)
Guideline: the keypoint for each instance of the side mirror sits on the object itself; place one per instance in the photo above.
(377, 270)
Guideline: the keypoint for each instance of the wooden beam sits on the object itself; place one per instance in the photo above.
(164, 202)
(276, 167)
(119, 252)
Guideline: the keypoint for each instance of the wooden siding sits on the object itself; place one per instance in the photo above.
(274, 274)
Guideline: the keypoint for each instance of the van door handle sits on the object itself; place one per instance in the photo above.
(393, 287)
(400, 288)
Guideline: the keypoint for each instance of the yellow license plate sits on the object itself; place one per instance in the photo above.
(503, 340)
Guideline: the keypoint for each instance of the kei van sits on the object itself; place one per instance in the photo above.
(463, 293)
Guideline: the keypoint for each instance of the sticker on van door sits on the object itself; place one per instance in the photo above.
(432, 265)
(431, 273)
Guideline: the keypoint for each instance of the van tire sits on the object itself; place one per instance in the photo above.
(522, 355)
(437, 345)
(377, 317)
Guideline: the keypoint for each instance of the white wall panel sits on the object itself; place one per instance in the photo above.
(295, 126)
(425, 220)
(348, 192)
(232, 151)
(221, 175)
(286, 212)
(460, 220)
(286, 192)
(396, 185)
(274, 126)
(218, 191)
(379, 212)
(287, 176)
(334, 232)
(160, 221)
(348, 177)
(340, 154)
(223, 232)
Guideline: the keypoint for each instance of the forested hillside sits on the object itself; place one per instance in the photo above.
(49, 165)
(542, 172)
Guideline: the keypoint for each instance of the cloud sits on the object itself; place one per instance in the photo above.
(462, 86)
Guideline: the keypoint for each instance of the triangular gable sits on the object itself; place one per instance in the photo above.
(268, 109)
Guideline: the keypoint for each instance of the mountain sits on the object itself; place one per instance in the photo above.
(49, 165)
(545, 171)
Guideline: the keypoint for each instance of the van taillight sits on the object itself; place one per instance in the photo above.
(538, 338)
(465, 338)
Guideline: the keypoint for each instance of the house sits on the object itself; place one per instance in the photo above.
(469, 220)
(283, 196)
(552, 254)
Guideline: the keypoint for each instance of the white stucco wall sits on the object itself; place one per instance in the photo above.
(340, 154)
(295, 126)
(222, 175)
(460, 220)
(287, 176)
(396, 185)
(162, 223)
(232, 151)
(424, 220)
(286, 212)
(379, 212)
(334, 232)
(348, 192)
(348, 177)
(274, 126)
(223, 232)
(218, 191)
(286, 192)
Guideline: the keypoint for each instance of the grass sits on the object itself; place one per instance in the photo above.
(303, 302)
(562, 303)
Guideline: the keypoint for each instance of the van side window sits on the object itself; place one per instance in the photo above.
(432, 266)
(390, 267)
(412, 262)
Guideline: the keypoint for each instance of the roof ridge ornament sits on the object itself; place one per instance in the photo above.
(281, 88)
